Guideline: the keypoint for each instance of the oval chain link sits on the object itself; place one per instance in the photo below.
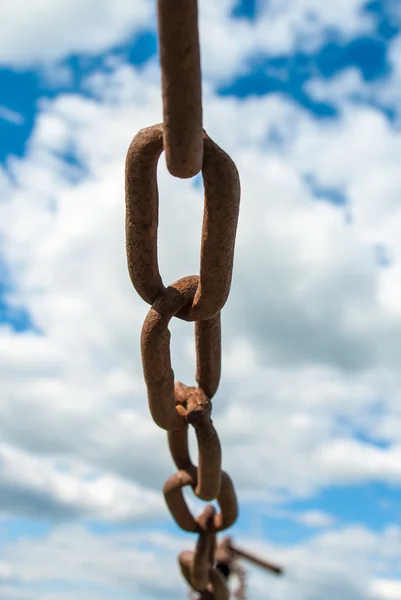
(220, 219)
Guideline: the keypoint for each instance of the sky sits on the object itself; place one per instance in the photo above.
(305, 97)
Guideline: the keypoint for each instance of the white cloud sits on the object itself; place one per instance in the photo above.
(310, 333)
(345, 86)
(280, 29)
(38, 32)
(386, 589)
(90, 27)
(309, 518)
(387, 91)
(125, 563)
(343, 563)
(42, 488)
(315, 518)
(311, 330)
(11, 116)
(348, 86)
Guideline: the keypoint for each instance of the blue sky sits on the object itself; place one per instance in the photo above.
(336, 487)
(283, 73)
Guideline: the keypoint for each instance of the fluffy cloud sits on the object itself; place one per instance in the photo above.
(310, 331)
(346, 563)
(34, 33)
(71, 555)
(281, 27)
(49, 489)
(310, 389)
(91, 28)
(11, 116)
(311, 327)
(315, 518)
(388, 589)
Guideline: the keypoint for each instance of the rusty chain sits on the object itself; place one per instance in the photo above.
(173, 405)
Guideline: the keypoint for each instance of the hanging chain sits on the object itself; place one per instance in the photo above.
(173, 405)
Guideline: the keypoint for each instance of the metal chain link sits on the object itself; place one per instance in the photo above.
(173, 405)
(181, 85)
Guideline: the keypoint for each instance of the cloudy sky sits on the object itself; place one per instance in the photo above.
(305, 96)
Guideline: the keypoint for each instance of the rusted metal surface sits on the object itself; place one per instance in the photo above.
(227, 551)
(257, 561)
(181, 86)
(227, 562)
(198, 567)
(155, 348)
(196, 407)
(226, 499)
(175, 406)
(220, 219)
(208, 353)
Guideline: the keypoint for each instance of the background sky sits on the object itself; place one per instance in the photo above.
(305, 95)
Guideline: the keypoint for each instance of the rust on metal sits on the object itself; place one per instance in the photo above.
(196, 409)
(173, 405)
(220, 219)
(177, 505)
(203, 557)
(142, 212)
(208, 351)
(219, 588)
(198, 567)
(226, 562)
(181, 85)
(256, 560)
(155, 348)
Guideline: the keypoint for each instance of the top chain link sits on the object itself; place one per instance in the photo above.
(181, 86)
(173, 405)
(220, 218)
